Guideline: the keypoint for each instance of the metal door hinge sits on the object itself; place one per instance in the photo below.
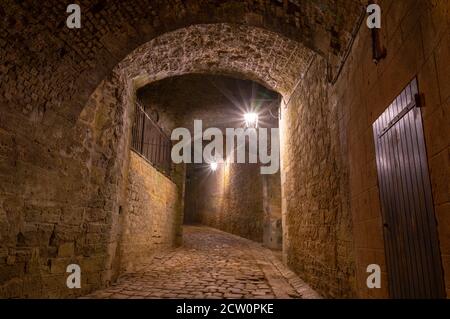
(420, 99)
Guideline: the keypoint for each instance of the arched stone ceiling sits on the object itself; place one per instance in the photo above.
(241, 51)
(61, 66)
(219, 101)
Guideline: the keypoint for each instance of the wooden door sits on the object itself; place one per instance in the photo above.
(411, 243)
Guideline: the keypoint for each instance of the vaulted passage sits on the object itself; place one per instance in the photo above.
(119, 179)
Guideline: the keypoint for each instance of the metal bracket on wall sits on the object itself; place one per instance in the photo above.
(417, 102)
(397, 118)
(379, 52)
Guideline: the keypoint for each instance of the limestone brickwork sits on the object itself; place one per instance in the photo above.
(61, 203)
(153, 216)
(273, 228)
(416, 35)
(317, 225)
(230, 199)
(331, 205)
(63, 66)
(67, 100)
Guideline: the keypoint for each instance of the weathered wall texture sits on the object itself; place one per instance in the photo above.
(53, 164)
(154, 214)
(329, 172)
(62, 174)
(63, 66)
(273, 232)
(57, 166)
(317, 223)
(61, 204)
(416, 35)
(230, 199)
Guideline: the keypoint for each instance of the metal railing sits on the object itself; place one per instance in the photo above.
(149, 140)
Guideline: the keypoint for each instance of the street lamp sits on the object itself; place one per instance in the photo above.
(251, 120)
(213, 166)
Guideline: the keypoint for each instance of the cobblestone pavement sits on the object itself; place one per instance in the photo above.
(211, 264)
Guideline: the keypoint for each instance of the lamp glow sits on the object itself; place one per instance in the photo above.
(213, 166)
(251, 120)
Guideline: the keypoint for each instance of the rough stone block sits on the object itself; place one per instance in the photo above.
(66, 250)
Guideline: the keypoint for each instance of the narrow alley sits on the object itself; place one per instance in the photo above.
(307, 140)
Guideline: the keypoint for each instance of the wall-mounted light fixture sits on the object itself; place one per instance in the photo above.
(378, 49)
(251, 120)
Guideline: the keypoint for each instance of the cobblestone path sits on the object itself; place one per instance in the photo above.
(211, 264)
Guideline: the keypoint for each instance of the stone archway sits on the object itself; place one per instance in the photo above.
(65, 66)
(66, 173)
(210, 49)
(88, 159)
(65, 97)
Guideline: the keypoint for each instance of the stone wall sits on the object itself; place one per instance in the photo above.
(61, 197)
(153, 218)
(230, 199)
(63, 165)
(62, 174)
(416, 35)
(62, 67)
(329, 174)
(237, 199)
(68, 203)
(273, 232)
(60, 158)
(317, 223)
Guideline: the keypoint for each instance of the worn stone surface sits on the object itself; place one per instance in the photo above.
(416, 36)
(230, 199)
(273, 230)
(223, 49)
(66, 165)
(65, 119)
(63, 66)
(211, 264)
(317, 236)
(154, 214)
(65, 202)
